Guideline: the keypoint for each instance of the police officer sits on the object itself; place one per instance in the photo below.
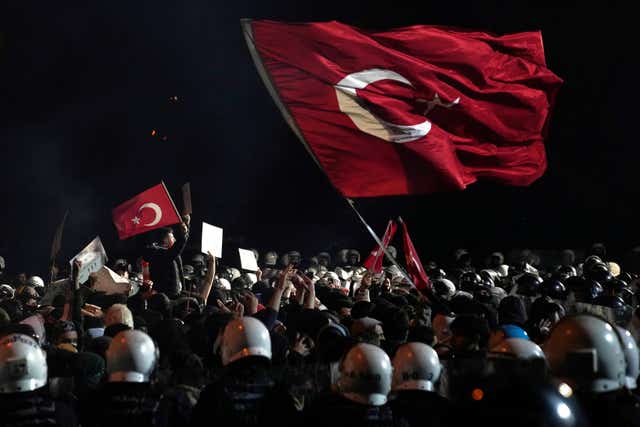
(246, 394)
(127, 398)
(24, 398)
(416, 371)
(360, 395)
(586, 352)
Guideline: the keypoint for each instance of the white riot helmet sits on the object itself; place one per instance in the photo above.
(243, 338)
(632, 357)
(35, 281)
(518, 348)
(585, 352)
(131, 357)
(416, 366)
(23, 364)
(365, 375)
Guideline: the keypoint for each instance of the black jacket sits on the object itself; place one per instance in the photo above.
(165, 265)
(35, 408)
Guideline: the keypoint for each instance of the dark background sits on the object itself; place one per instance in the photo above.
(82, 84)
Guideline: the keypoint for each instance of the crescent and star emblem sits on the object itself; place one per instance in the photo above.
(367, 122)
(157, 211)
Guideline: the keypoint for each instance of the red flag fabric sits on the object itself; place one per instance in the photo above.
(414, 265)
(149, 210)
(411, 110)
(376, 256)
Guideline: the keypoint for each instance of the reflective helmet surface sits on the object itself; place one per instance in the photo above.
(586, 352)
(632, 357)
(529, 284)
(131, 357)
(35, 281)
(416, 366)
(23, 364)
(243, 338)
(519, 348)
(365, 375)
(553, 288)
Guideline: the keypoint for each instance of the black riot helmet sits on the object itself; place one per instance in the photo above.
(529, 284)
(469, 281)
(598, 271)
(553, 288)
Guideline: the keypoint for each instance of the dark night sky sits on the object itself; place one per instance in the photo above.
(82, 85)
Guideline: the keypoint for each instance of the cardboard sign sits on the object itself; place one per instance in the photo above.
(108, 281)
(54, 289)
(248, 260)
(89, 260)
(211, 240)
(186, 199)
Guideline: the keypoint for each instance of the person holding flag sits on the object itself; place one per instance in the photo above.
(154, 210)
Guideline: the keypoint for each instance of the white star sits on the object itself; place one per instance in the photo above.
(136, 220)
(437, 102)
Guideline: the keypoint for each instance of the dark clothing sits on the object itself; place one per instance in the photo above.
(246, 395)
(414, 407)
(35, 408)
(176, 406)
(165, 265)
(619, 408)
(334, 410)
(121, 404)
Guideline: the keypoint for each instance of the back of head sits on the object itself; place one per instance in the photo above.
(118, 313)
(23, 365)
(131, 357)
(243, 338)
(416, 366)
(585, 351)
(365, 375)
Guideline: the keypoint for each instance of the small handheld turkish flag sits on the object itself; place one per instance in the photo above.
(411, 110)
(414, 265)
(149, 210)
(375, 258)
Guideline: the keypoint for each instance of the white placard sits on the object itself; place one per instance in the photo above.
(110, 282)
(211, 240)
(89, 260)
(248, 260)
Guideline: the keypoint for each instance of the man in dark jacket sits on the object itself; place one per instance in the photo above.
(165, 263)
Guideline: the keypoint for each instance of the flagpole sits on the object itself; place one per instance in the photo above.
(378, 252)
(266, 79)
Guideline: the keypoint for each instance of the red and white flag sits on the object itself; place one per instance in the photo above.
(149, 210)
(376, 256)
(410, 110)
(414, 265)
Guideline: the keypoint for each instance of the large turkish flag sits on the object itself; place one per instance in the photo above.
(149, 210)
(411, 110)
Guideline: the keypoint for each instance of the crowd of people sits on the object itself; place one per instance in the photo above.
(323, 341)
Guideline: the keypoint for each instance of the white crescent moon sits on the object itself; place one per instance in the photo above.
(366, 121)
(157, 211)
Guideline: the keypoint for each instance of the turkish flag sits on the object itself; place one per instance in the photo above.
(149, 210)
(376, 256)
(414, 265)
(411, 110)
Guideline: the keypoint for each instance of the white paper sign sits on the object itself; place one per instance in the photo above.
(110, 282)
(89, 260)
(248, 260)
(211, 240)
